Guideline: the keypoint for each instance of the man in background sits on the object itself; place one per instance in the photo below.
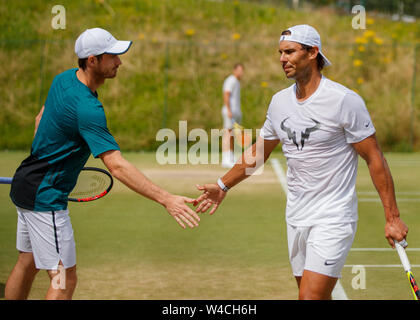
(231, 112)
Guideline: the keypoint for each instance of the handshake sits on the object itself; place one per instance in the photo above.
(177, 206)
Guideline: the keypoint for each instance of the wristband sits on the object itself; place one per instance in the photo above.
(222, 185)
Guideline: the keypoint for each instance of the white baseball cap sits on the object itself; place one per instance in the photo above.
(305, 34)
(97, 41)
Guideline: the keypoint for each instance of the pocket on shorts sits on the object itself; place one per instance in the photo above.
(64, 226)
(331, 241)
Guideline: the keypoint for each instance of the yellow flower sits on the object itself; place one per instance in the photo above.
(236, 36)
(360, 80)
(140, 36)
(386, 60)
(369, 21)
(351, 53)
(357, 63)
(189, 32)
(236, 3)
(378, 41)
(154, 40)
(361, 48)
(264, 84)
(223, 56)
(369, 34)
(361, 40)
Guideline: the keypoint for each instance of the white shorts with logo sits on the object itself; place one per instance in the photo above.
(320, 248)
(48, 235)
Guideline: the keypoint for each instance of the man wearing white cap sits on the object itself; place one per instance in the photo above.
(322, 126)
(70, 128)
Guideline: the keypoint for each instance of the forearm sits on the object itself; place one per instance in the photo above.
(226, 100)
(251, 160)
(382, 179)
(138, 182)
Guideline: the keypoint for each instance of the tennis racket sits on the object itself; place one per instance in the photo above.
(407, 267)
(242, 137)
(92, 184)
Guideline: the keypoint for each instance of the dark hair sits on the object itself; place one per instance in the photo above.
(319, 59)
(82, 62)
(238, 64)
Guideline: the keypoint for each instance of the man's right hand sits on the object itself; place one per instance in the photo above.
(212, 196)
(229, 113)
(178, 209)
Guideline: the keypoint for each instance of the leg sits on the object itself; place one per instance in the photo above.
(62, 283)
(316, 286)
(21, 278)
(227, 147)
(298, 280)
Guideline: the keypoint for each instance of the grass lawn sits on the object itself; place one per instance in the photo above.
(130, 248)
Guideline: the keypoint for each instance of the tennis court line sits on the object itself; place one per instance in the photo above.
(401, 193)
(382, 249)
(379, 265)
(281, 177)
(379, 200)
(338, 292)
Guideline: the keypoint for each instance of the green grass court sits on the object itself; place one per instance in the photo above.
(130, 248)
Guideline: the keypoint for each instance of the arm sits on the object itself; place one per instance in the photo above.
(38, 119)
(379, 171)
(124, 171)
(226, 101)
(251, 160)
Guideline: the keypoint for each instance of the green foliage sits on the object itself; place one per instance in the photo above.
(183, 50)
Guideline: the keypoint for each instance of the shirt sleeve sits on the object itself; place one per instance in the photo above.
(355, 118)
(267, 131)
(229, 84)
(93, 129)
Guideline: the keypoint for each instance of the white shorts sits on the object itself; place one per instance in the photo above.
(48, 235)
(228, 122)
(320, 248)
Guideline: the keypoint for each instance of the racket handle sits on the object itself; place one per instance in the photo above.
(5, 180)
(403, 256)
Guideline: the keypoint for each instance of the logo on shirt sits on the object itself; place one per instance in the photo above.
(304, 135)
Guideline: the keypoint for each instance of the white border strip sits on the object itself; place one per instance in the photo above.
(338, 293)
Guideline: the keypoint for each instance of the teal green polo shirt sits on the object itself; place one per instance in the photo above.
(72, 127)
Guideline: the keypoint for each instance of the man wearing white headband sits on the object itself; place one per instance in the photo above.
(322, 126)
(70, 128)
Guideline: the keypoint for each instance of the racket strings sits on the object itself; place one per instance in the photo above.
(89, 184)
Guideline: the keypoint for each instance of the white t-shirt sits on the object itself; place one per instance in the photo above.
(233, 85)
(316, 137)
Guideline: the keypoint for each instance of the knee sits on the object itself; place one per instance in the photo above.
(310, 295)
(26, 263)
(71, 277)
(63, 278)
